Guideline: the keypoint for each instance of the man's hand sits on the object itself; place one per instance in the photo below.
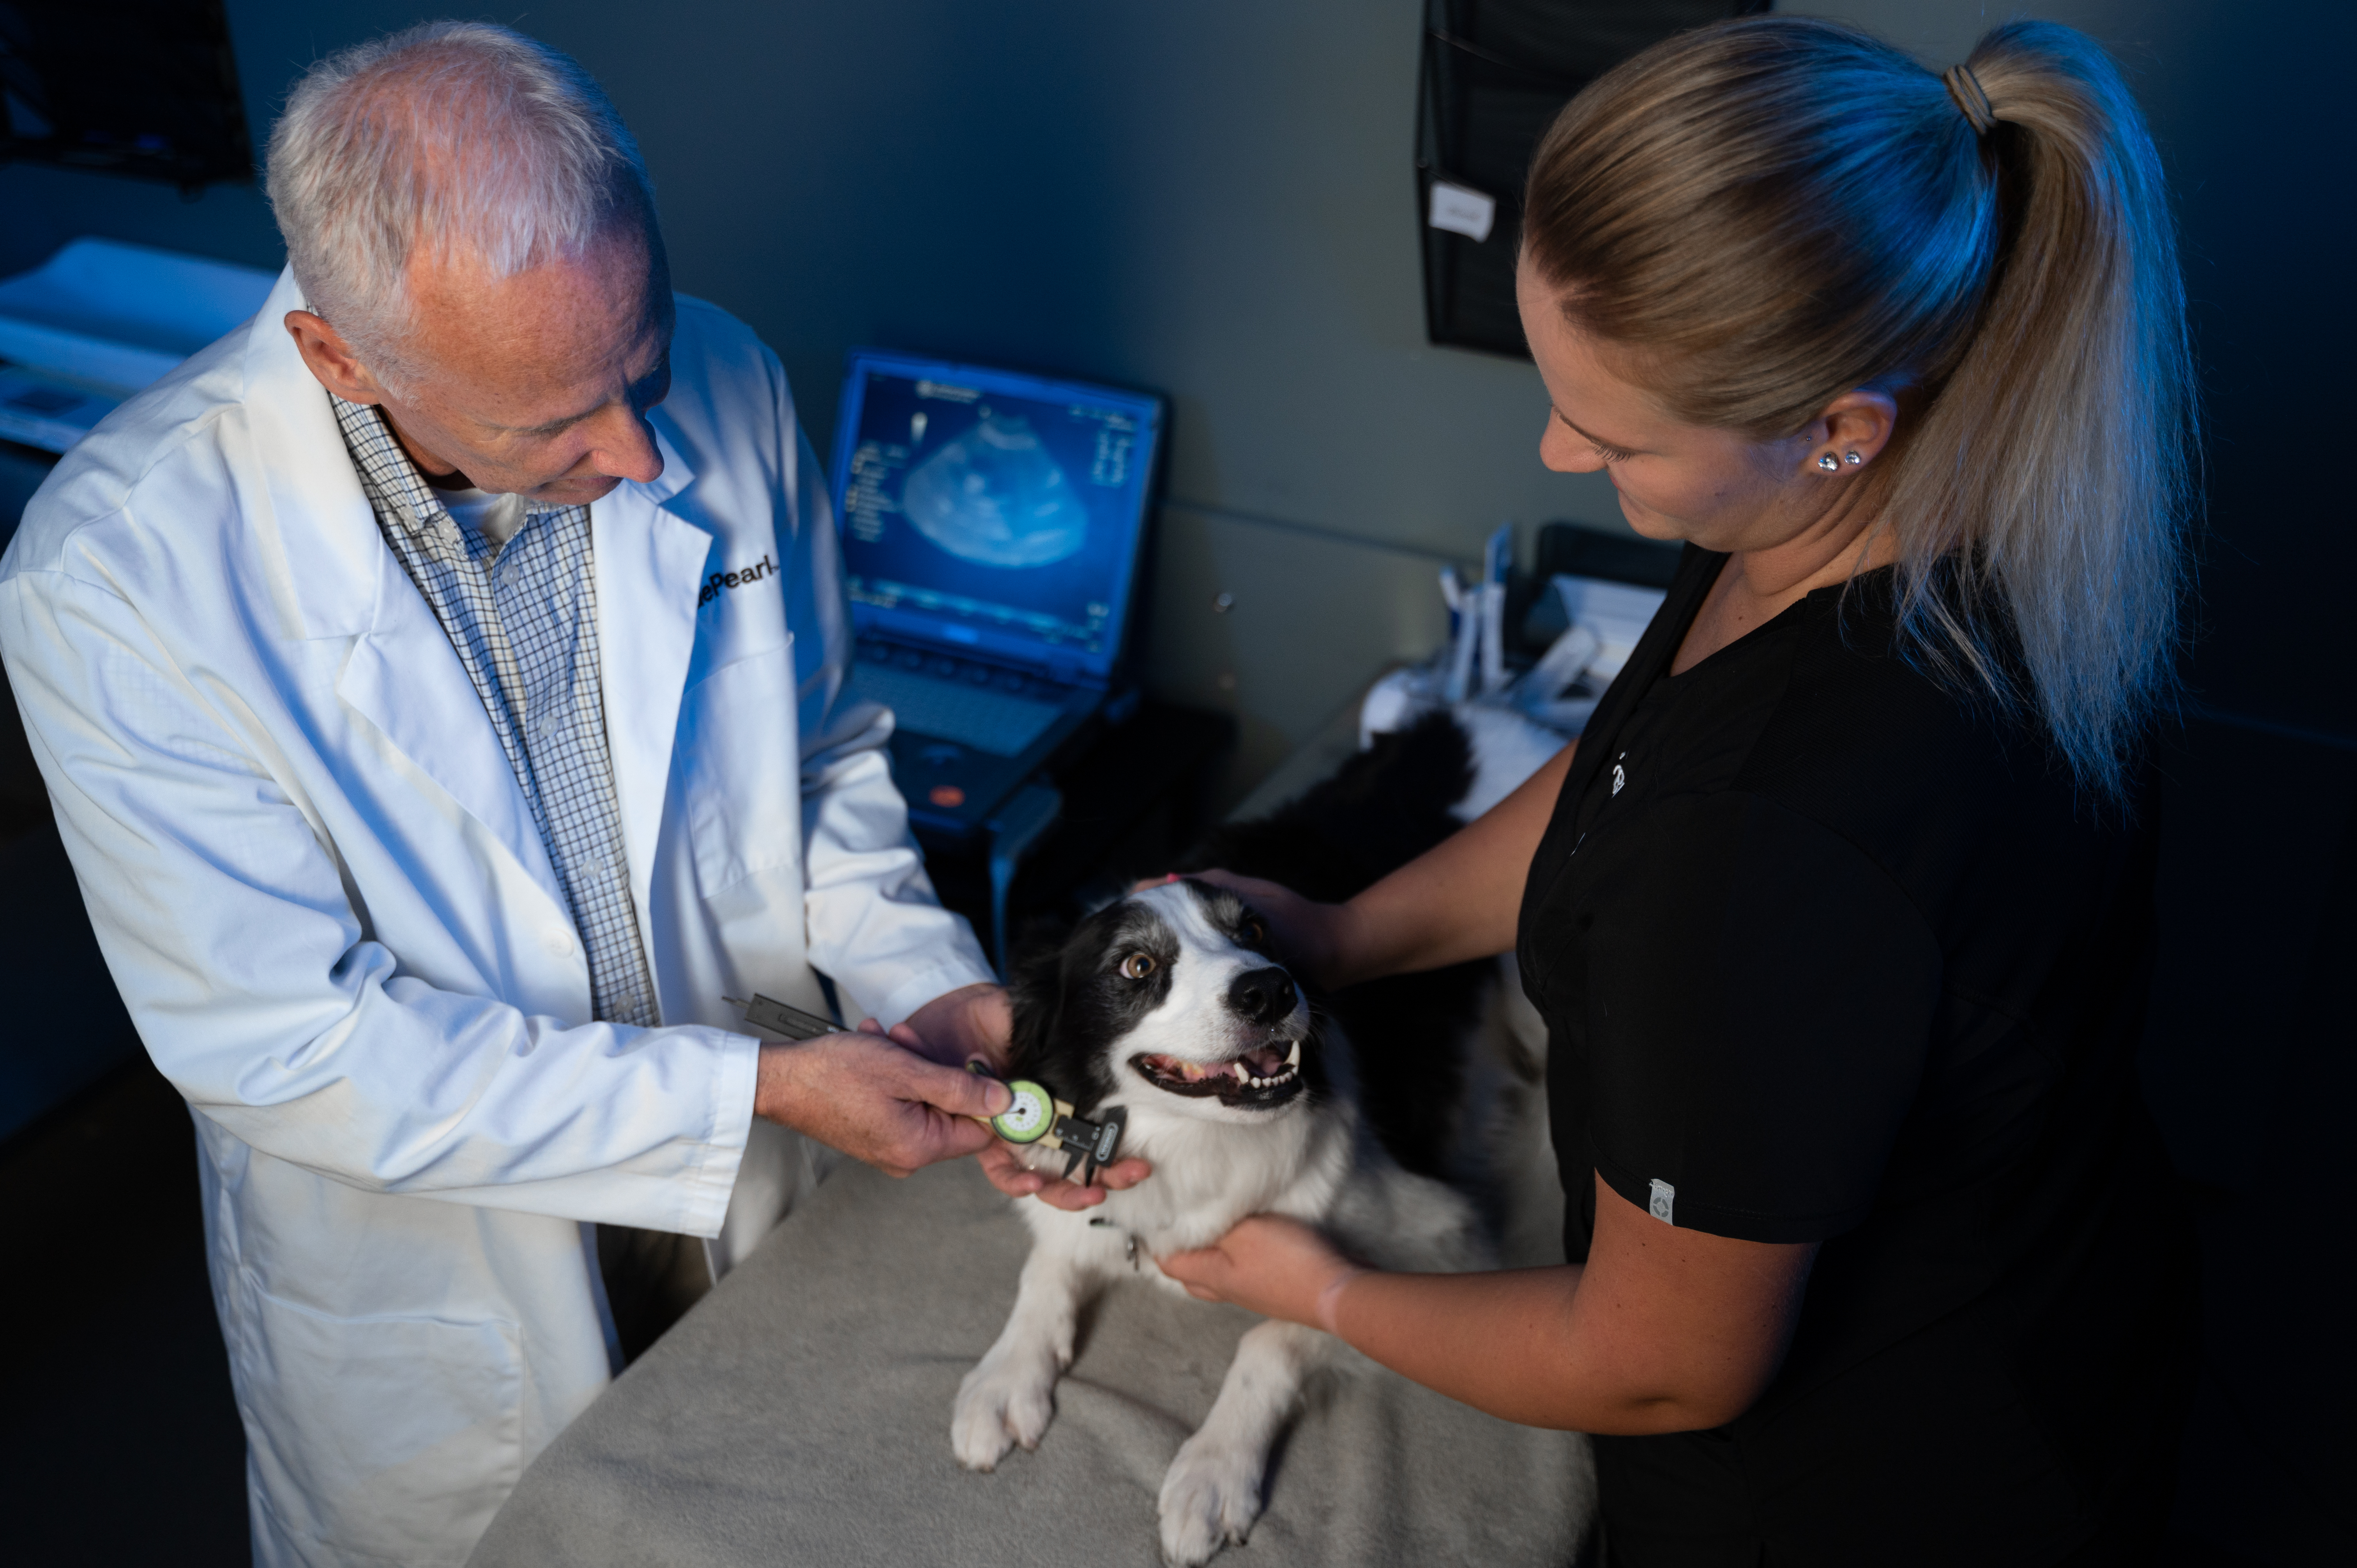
(972, 1024)
(1008, 1172)
(877, 1100)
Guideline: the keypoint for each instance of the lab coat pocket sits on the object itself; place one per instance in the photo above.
(391, 1438)
(738, 772)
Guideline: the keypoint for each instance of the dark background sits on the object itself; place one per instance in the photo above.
(1217, 201)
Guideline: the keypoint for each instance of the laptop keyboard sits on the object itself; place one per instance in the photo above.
(955, 707)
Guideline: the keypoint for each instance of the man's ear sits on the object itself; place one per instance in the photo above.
(332, 359)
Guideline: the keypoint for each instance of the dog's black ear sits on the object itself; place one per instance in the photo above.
(1035, 988)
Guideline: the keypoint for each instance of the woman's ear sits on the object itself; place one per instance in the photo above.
(1853, 431)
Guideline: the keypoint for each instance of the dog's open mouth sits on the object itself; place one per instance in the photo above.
(1265, 1075)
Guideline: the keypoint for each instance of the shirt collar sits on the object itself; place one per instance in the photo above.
(391, 475)
(392, 478)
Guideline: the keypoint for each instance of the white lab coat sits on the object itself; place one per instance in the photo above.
(322, 895)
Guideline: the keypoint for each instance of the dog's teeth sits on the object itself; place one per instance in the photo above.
(1293, 1057)
(1238, 1069)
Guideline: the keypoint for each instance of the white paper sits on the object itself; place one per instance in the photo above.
(1462, 211)
(122, 316)
(1618, 613)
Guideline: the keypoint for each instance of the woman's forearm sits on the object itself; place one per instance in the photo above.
(1505, 1343)
(1663, 1329)
(1459, 899)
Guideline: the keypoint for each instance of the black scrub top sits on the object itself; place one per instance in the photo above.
(1831, 952)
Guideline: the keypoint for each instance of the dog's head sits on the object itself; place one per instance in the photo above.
(1168, 999)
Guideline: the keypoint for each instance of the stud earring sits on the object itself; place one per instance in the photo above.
(1829, 463)
(1852, 458)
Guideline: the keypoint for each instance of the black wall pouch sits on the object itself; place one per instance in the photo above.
(1495, 74)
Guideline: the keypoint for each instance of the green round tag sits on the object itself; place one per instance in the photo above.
(1028, 1120)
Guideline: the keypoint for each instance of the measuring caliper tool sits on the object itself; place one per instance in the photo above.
(1036, 1116)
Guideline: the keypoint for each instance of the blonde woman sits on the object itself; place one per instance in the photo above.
(1839, 913)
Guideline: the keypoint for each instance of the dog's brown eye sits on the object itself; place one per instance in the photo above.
(1138, 965)
(1254, 932)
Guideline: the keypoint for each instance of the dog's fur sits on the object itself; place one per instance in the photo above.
(1150, 1004)
(1473, 1112)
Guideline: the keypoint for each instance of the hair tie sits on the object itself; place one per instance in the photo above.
(1965, 89)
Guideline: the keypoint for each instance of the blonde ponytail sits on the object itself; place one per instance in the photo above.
(1776, 210)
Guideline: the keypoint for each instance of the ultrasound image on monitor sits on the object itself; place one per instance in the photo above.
(992, 511)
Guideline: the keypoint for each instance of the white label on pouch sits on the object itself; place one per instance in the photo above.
(1664, 1197)
(1462, 211)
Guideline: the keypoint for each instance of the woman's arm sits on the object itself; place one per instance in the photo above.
(1457, 900)
(1664, 1329)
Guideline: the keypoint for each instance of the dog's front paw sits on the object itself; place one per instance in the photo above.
(1210, 1498)
(1001, 1403)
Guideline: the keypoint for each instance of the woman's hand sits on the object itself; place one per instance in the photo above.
(970, 1023)
(1311, 936)
(1276, 1267)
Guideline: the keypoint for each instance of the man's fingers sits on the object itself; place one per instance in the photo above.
(955, 1138)
(1122, 1174)
(955, 1090)
(924, 1137)
(1070, 1197)
(1009, 1174)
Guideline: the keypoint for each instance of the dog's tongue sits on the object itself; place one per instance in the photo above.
(1179, 1066)
(1264, 1062)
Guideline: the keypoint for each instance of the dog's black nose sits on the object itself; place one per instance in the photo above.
(1263, 995)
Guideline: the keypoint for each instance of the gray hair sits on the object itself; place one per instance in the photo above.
(461, 139)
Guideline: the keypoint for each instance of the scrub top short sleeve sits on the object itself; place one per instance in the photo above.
(1758, 1007)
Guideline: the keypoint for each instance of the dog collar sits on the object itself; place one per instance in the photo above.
(1128, 1238)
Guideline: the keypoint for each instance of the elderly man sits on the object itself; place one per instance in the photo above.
(429, 796)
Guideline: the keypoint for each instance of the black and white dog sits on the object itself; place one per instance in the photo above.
(1171, 1004)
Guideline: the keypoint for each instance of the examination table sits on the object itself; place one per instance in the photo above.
(801, 1414)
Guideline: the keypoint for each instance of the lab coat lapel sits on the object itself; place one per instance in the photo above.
(337, 578)
(404, 678)
(648, 565)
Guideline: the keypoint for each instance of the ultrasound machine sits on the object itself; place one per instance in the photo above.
(992, 524)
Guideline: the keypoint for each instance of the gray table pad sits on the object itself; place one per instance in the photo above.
(801, 1413)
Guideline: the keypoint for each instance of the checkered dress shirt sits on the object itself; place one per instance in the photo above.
(524, 620)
